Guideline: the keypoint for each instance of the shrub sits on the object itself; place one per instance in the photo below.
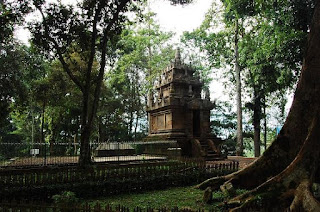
(65, 198)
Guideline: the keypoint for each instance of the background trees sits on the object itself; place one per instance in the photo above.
(285, 173)
(144, 51)
(266, 59)
(267, 35)
(58, 90)
(91, 31)
(255, 41)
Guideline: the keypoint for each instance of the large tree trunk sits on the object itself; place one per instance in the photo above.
(85, 157)
(289, 165)
(85, 153)
(238, 83)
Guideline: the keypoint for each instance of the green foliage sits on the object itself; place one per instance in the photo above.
(182, 197)
(22, 67)
(228, 147)
(143, 52)
(66, 198)
(139, 148)
(223, 124)
(83, 39)
(248, 147)
(180, 2)
(11, 14)
(270, 43)
(11, 86)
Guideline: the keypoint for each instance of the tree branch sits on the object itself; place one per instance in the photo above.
(59, 52)
(103, 58)
(92, 46)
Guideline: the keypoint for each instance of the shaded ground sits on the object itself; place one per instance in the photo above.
(182, 197)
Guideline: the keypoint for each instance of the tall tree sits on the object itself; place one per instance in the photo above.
(214, 43)
(94, 26)
(259, 48)
(11, 53)
(144, 51)
(11, 14)
(233, 16)
(238, 90)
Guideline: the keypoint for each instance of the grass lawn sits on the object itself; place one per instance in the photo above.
(182, 197)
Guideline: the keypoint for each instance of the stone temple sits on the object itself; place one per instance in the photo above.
(179, 109)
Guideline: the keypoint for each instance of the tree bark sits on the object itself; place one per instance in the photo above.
(265, 123)
(85, 158)
(89, 108)
(32, 127)
(289, 165)
(256, 123)
(238, 85)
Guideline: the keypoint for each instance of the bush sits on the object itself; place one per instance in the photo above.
(228, 147)
(139, 149)
(66, 198)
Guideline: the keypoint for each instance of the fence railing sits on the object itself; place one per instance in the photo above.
(13, 206)
(100, 180)
(6, 207)
(73, 174)
(46, 154)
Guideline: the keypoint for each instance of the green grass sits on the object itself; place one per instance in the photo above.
(182, 197)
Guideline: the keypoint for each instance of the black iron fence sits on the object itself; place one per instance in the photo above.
(41, 183)
(97, 207)
(43, 154)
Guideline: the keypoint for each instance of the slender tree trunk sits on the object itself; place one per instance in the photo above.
(32, 127)
(238, 85)
(89, 113)
(132, 107)
(42, 122)
(42, 133)
(136, 126)
(52, 138)
(256, 124)
(85, 157)
(130, 123)
(265, 123)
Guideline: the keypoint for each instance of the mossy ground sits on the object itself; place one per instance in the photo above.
(181, 197)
